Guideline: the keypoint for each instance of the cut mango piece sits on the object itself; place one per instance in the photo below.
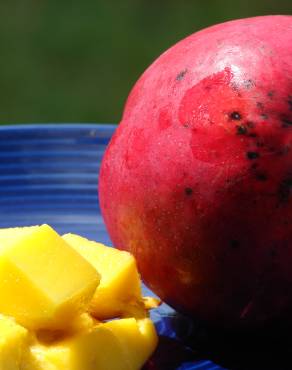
(44, 282)
(137, 337)
(124, 344)
(14, 343)
(119, 291)
(97, 349)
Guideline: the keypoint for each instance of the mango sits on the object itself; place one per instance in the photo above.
(95, 350)
(14, 342)
(123, 344)
(138, 338)
(44, 283)
(119, 291)
(197, 182)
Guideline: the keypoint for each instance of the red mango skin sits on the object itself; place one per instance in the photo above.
(197, 179)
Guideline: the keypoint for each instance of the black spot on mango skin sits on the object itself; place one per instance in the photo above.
(258, 174)
(261, 107)
(235, 116)
(287, 122)
(252, 155)
(188, 191)
(181, 75)
(241, 130)
(271, 94)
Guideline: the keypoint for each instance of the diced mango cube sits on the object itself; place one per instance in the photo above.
(43, 281)
(123, 344)
(14, 342)
(137, 337)
(119, 291)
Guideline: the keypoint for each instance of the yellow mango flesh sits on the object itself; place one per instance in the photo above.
(123, 344)
(138, 338)
(47, 284)
(43, 281)
(83, 322)
(95, 350)
(119, 291)
(14, 343)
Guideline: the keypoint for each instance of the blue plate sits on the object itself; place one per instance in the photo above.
(49, 174)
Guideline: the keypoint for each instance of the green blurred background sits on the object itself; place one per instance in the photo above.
(76, 61)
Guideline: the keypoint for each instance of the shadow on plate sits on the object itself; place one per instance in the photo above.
(170, 355)
(267, 349)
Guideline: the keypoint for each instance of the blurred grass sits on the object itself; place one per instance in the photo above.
(76, 61)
